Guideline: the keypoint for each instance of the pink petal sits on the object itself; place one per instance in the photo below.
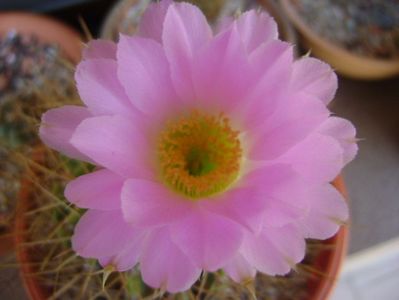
(273, 59)
(185, 32)
(344, 132)
(115, 143)
(99, 190)
(151, 23)
(242, 205)
(128, 257)
(144, 72)
(328, 211)
(218, 72)
(146, 203)
(284, 192)
(163, 265)
(208, 239)
(99, 49)
(256, 28)
(99, 88)
(276, 250)
(287, 127)
(256, 194)
(272, 65)
(315, 78)
(58, 125)
(318, 158)
(239, 269)
(101, 234)
(223, 23)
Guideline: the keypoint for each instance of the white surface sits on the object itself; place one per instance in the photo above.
(372, 274)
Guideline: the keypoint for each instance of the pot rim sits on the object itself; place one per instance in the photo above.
(335, 258)
(381, 67)
(47, 30)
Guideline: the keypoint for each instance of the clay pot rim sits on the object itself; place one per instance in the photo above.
(32, 286)
(388, 66)
(47, 29)
(325, 286)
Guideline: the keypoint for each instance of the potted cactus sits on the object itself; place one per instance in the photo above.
(177, 206)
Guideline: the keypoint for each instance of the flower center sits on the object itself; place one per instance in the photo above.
(199, 154)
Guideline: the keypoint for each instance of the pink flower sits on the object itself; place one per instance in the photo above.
(214, 150)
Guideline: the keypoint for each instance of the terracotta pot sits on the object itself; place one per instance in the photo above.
(46, 29)
(328, 262)
(6, 243)
(342, 60)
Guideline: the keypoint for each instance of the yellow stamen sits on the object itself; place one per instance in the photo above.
(199, 154)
